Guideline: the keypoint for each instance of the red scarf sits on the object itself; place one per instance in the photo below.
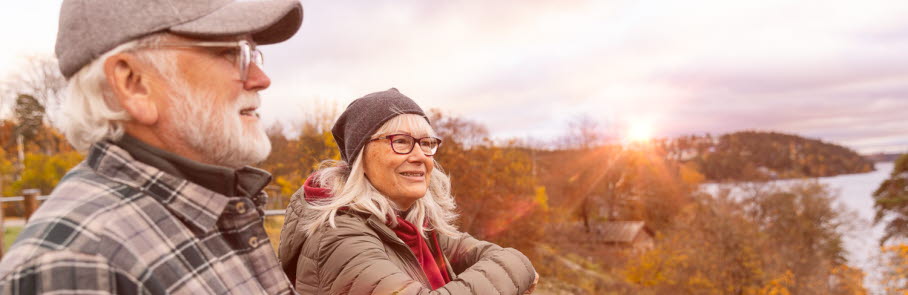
(433, 264)
(313, 192)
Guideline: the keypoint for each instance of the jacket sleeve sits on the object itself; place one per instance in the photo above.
(292, 236)
(470, 257)
(464, 250)
(354, 261)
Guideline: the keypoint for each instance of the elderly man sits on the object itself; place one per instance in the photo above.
(163, 95)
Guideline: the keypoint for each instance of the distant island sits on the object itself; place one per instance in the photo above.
(883, 157)
(757, 155)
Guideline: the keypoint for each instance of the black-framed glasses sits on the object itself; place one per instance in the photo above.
(246, 52)
(402, 144)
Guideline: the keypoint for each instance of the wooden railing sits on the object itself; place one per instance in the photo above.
(31, 203)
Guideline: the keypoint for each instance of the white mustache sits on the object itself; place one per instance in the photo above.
(247, 100)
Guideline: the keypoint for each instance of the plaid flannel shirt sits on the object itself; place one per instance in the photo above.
(116, 225)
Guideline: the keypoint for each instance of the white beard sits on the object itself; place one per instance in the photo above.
(216, 131)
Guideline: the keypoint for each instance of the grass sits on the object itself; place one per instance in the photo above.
(273, 226)
(9, 236)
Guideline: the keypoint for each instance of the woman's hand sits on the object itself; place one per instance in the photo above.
(533, 286)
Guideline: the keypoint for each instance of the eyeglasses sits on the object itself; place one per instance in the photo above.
(246, 53)
(402, 144)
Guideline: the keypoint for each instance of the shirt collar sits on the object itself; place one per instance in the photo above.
(245, 182)
(250, 182)
(195, 204)
(219, 179)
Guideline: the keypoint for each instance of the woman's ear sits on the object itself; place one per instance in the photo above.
(129, 80)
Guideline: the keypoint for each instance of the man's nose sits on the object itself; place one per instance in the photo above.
(256, 79)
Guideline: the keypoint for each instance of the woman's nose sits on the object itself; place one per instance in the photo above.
(416, 155)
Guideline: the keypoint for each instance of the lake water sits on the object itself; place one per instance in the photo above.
(855, 192)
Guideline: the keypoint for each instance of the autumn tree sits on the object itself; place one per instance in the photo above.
(29, 114)
(37, 84)
(493, 185)
(6, 171)
(32, 89)
(583, 132)
(713, 249)
(297, 152)
(781, 240)
(39, 77)
(44, 171)
(895, 269)
(847, 280)
(804, 229)
(617, 183)
(594, 185)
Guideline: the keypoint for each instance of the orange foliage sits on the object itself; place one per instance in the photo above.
(895, 275)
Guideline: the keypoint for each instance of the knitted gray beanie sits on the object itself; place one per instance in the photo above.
(365, 115)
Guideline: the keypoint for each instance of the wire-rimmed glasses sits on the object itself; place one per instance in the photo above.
(246, 53)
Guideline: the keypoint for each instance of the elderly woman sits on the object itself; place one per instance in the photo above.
(379, 221)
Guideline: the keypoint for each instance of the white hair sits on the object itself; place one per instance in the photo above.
(351, 189)
(215, 130)
(89, 112)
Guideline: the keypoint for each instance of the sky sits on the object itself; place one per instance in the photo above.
(833, 70)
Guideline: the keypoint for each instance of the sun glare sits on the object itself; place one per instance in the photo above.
(639, 132)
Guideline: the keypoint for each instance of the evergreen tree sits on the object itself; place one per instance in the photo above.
(891, 201)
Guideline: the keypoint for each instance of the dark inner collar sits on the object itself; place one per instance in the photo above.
(245, 181)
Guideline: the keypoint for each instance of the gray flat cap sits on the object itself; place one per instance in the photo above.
(89, 28)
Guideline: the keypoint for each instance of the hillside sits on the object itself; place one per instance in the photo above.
(754, 155)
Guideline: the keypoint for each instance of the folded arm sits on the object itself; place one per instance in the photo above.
(355, 262)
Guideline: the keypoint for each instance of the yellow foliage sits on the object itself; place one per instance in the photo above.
(44, 171)
(655, 267)
(6, 167)
(895, 274)
(849, 280)
(273, 225)
(288, 186)
(542, 199)
(330, 146)
(690, 175)
(778, 286)
(6, 171)
(703, 284)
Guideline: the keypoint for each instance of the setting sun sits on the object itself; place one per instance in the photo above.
(639, 132)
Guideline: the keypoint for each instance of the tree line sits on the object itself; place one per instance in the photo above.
(755, 155)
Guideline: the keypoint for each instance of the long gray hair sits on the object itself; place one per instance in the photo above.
(351, 189)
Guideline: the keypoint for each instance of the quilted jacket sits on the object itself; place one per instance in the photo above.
(362, 255)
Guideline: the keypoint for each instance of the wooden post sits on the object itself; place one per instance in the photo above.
(31, 201)
(274, 197)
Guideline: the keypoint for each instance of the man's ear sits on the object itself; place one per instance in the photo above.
(129, 78)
